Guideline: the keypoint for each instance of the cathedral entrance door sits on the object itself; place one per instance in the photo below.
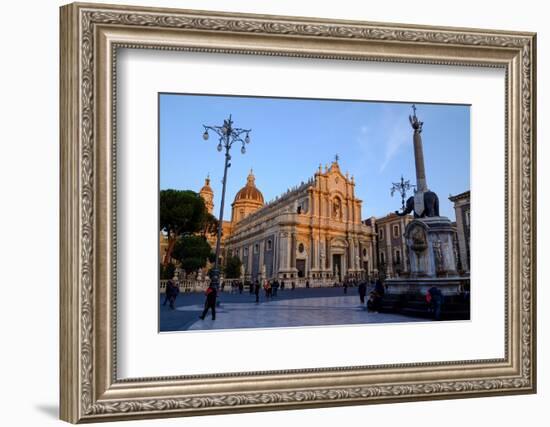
(337, 267)
(301, 267)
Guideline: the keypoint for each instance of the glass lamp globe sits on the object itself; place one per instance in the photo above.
(205, 135)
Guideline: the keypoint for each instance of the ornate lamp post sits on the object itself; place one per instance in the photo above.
(228, 135)
(402, 187)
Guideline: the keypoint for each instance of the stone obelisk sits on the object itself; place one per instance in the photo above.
(421, 184)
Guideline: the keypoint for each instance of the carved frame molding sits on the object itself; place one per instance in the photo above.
(90, 37)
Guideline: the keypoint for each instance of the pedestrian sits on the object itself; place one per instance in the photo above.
(293, 285)
(241, 287)
(307, 284)
(257, 291)
(171, 293)
(372, 302)
(275, 287)
(434, 297)
(167, 291)
(282, 284)
(250, 287)
(379, 288)
(362, 289)
(223, 286)
(210, 303)
(345, 286)
(267, 289)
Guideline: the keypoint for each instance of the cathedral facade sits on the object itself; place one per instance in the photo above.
(312, 232)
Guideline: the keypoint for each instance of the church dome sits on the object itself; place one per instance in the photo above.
(206, 187)
(249, 192)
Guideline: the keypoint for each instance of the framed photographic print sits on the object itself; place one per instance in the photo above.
(266, 212)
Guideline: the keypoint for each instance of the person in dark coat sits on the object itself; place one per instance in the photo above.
(210, 303)
(379, 288)
(257, 290)
(362, 291)
(167, 291)
(275, 288)
(435, 298)
(345, 286)
(172, 291)
(241, 287)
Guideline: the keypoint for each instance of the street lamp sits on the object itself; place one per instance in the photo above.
(228, 135)
(402, 187)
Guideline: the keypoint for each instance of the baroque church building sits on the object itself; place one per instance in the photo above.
(312, 232)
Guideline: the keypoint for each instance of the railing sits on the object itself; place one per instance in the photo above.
(188, 285)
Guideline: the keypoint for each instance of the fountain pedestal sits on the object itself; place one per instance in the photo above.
(432, 263)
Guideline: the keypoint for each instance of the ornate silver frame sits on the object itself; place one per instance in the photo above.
(90, 36)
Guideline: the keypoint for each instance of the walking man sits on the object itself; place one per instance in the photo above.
(362, 292)
(257, 290)
(210, 303)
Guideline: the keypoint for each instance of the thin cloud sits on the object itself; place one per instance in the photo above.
(398, 137)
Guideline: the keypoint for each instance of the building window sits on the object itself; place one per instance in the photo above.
(382, 258)
(269, 245)
(396, 230)
(230, 252)
(241, 214)
(301, 248)
(364, 252)
(256, 248)
(245, 251)
(397, 257)
(381, 234)
(467, 218)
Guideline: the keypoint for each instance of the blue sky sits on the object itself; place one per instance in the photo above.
(291, 137)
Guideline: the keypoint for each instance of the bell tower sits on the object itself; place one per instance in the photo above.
(207, 195)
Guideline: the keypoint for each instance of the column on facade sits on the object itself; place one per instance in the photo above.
(389, 253)
(250, 256)
(370, 252)
(361, 258)
(261, 260)
(351, 251)
(311, 253)
(404, 255)
(284, 251)
(328, 255)
(293, 250)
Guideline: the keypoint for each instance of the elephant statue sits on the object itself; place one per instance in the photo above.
(431, 206)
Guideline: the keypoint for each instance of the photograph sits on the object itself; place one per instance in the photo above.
(269, 209)
(290, 212)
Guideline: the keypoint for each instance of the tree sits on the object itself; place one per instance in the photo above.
(232, 268)
(192, 252)
(167, 271)
(210, 225)
(181, 212)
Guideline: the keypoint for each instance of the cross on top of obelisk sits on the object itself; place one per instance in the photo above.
(414, 109)
(336, 158)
